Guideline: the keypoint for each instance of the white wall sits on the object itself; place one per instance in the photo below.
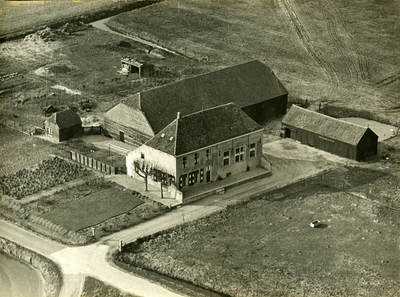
(160, 160)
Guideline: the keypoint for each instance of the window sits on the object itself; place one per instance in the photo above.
(184, 159)
(208, 154)
(226, 158)
(142, 155)
(252, 150)
(48, 131)
(196, 158)
(239, 154)
(182, 180)
(201, 175)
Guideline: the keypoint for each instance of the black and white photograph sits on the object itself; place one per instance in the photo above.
(200, 148)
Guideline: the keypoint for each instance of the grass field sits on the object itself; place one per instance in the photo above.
(267, 248)
(22, 16)
(92, 209)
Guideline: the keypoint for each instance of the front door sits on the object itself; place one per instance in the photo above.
(208, 174)
(121, 136)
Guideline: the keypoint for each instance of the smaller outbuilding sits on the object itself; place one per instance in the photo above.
(63, 125)
(329, 134)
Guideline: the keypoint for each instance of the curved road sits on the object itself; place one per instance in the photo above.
(291, 161)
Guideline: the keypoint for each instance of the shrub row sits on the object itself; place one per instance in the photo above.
(49, 173)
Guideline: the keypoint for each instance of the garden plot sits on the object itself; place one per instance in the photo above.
(92, 209)
(47, 174)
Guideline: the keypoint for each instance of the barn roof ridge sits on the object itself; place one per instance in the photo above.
(324, 125)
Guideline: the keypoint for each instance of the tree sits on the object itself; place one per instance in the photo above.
(143, 169)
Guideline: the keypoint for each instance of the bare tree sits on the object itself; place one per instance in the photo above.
(144, 169)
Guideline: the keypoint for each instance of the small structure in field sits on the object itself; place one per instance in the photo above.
(63, 125)
(201, 148)
(130, 65)
(329, 134)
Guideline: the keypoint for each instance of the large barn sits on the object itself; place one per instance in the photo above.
(329, 134)
(252, 86)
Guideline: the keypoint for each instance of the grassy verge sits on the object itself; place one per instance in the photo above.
(50, 271)
(96, 288)
(266, 247)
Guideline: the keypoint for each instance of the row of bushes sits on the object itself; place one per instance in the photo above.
(48, 174)
(50, 271)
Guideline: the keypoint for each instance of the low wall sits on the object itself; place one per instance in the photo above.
(50, 272)
(97, 165)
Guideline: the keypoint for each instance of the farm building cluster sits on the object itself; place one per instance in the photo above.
(208, 127)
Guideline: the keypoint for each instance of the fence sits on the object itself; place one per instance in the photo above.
(97, 165)
(92, 130)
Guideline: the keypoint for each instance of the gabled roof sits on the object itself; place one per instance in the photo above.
(324, 125)
(202, 129)
(246, 84)
(65, 119)
(130, 117)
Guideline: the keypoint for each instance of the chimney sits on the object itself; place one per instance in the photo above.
(178, 116)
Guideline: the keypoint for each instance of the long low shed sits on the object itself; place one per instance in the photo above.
(329, 134)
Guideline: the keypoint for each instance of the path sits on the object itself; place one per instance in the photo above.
(101, 24)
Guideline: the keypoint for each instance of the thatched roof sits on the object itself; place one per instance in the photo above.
(202, 129)
(324, 125)
(245, 85)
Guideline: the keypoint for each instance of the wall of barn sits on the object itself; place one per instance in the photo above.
(131, 135)
(323, 143)
(368, 146)
(268, 109)
(70, 132)
(54, 130)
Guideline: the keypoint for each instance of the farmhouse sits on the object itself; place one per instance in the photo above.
(202, 147)
(329, 134)
(252, 86)
(63, 125)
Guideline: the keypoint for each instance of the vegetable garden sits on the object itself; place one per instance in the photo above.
(48, 173)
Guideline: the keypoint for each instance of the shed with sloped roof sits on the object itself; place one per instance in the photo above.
(252, 86)
(63, 125)
(329, 134)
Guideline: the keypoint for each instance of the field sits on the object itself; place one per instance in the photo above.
(324, 51)
(19, 17)
(92, 209)
(266, 247)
